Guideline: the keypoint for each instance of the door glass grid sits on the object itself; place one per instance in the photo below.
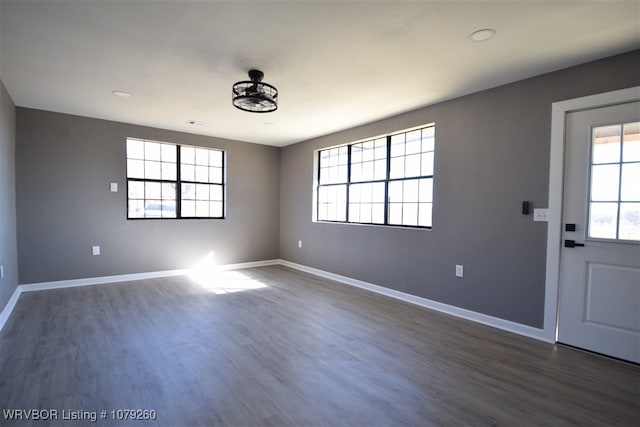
(614, 194)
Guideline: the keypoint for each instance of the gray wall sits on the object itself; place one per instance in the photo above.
(492, 153)
(8, 247)
(64, 165)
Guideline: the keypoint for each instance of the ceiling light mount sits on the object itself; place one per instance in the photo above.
(254, 95)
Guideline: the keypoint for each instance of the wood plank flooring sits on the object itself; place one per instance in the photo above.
(297, 351)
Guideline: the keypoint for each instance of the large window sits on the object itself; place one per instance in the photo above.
(386, 180)
(174, 181)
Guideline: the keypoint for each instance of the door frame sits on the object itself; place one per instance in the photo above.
(559, 111)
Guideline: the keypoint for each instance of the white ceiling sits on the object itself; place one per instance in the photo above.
(336, 64)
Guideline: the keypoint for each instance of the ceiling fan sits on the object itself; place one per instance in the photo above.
(254, 95)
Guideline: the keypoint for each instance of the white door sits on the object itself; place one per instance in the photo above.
(599, 297)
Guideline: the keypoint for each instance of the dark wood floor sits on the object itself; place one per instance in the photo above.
(300, 351)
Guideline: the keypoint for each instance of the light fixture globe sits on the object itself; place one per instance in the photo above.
(255, 96)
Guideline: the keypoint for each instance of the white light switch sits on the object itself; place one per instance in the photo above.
(95, 250)
(459, 270)
(1, 271)
(299, 243)
(114, 187)
(541, 215)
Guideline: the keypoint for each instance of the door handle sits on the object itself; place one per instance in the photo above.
(572, 244)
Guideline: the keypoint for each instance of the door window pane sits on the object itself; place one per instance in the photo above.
(606, 144)
(603, 219)
(630, 221)
(630, 185)
(631, 145)
(604, 182)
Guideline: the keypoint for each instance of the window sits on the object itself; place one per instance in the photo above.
(173, 181)
(614, 202)
(385, 181)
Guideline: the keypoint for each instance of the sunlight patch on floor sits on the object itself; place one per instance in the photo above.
(216, 279)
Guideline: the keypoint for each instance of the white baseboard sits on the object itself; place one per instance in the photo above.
(6, 312)
(484, 319)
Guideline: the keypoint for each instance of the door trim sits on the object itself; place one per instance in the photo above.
(559, 110)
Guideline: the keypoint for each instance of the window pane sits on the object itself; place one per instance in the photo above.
(395, 213)
(202, 192)
(334, 200)
(216, 176)
(188, 208)
(202, 157)
(630, 187)
(381, 148)
(606, 144)
(153, 209)
(187, 172)
(152, 170)
(427, 164)
(135, 169)
(367, 151)
(356, 153)
(377, 213)
(135, 149)
(367, 171)
(604, 182)
(397, 145)
(202, 174)
(168, 153)
(168, 209)
(410, 193)
(380, 169)
(136, 208)
(377, 192)
(413, 142)
(136, 190)
(215, 158)
(412, 165)
(424, 214)
(397, 168)
(187, 155)
(152, 190)
(395, 191)
(216, 192)
(426, 190)
(602, 220)
(428, 139)
(631, 144)
(215, 209)
(354, 212)
(188, 191)
(169, 192)
(151, 151)
(356, 172)
(202, 208)
(410, 214)
(168, 171)
(630, 221)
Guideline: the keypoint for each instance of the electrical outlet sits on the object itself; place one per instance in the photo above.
(459, 270)
(95, 250)
(1, 271)
(299, 243)
(113, 187)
